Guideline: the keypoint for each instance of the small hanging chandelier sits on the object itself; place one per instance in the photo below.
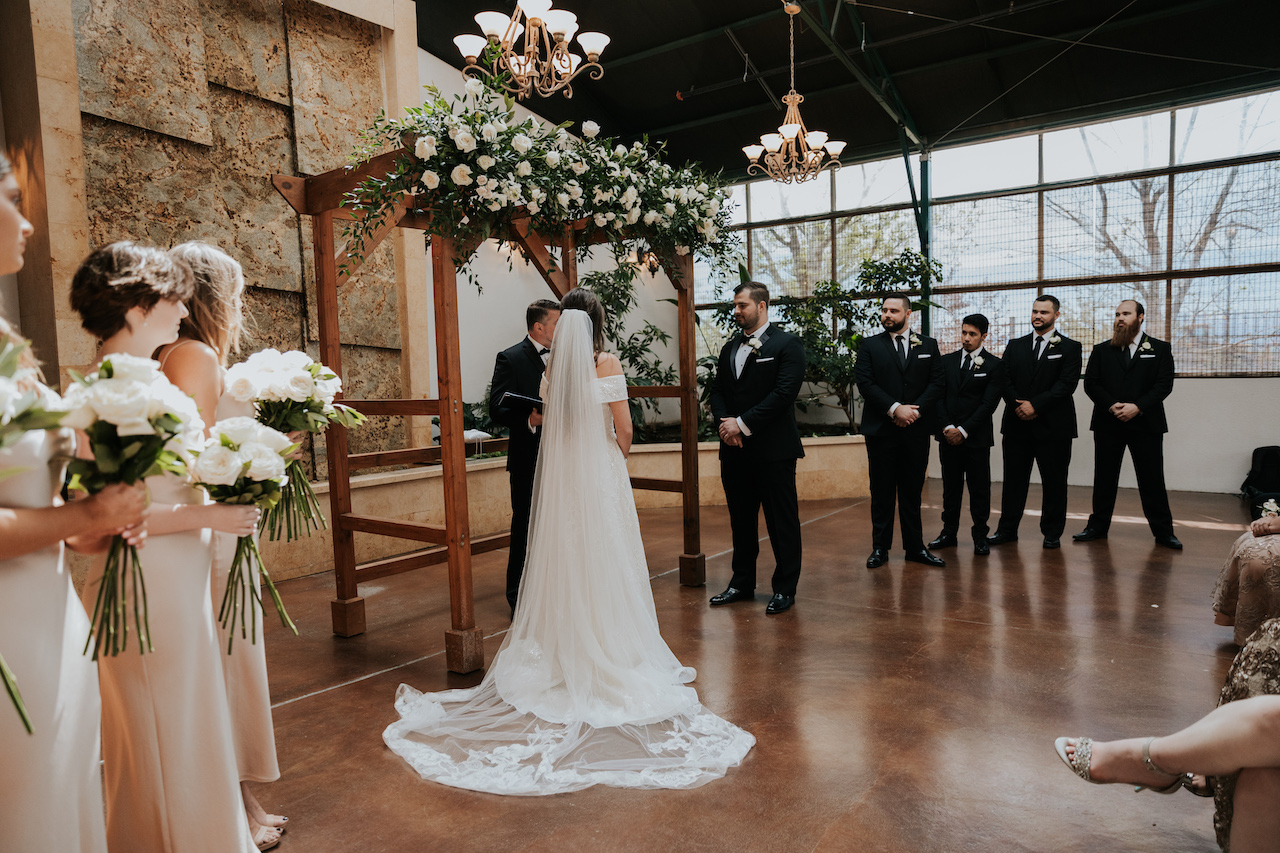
(542, 63)
(793, 153)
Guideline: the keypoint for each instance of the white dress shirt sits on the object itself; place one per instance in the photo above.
(544, 355)
(740, 361)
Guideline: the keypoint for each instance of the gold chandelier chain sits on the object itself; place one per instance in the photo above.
(791, 21)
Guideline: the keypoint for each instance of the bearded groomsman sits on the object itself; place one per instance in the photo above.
(519, 369)
(753, 400)
(1043, 370)
(899, 374)
(974, 383)
(1127, 379)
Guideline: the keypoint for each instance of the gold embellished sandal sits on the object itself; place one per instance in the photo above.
(1079, 763)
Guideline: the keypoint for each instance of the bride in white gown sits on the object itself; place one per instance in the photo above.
(583, 690)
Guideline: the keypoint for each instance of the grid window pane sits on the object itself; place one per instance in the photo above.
(872, 184)
(986, 241)
(1007, 311)
(986, 166)
(1125, 145)
(1228, 325)
(1112, 228)
(771, 200)
(874, 236)
(790, 259)
(1226, 217)
(1228, 128)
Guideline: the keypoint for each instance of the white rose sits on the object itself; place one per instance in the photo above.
(10, 394)
(601, 221)
(238, 430)
(474, 86)
(301, 387)
(218, 466)
(488, 132)
(620, 151)
(669, 209)
(682, 250)
(430, 179)
(328, 387)
(425, 147)
(533, 207)
(524, 168)
(241, 386)
(579, 167)
(590, 129)
(633, 215)
(521, 143)
(461, 174)
(485, 162)
(78, 407)
(122, 402)
(563, 198)
(651, 217)
(264, 463)
(293, 360)
(553, 158)
(131, 367)
(465, 141)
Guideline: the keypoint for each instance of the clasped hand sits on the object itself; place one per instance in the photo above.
(1125, 412)
(954, 436)
(906, 414)
(730, 434)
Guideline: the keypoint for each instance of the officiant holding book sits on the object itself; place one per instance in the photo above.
(517, 373)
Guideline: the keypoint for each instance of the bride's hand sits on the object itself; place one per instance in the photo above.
(296, 437)
(236, 520)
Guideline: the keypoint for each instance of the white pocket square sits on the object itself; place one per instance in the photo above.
(1147, 356)
(1059, 355)
(763, 360)
(924, 355)
(977, 375)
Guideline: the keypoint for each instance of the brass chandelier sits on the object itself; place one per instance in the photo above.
(542, 62)
(794, 153)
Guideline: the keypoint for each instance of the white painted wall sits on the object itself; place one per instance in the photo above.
(1214, 424)
(491, 318)
(8, 283)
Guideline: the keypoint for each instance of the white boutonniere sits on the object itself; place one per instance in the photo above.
(755, 344)
(915, 339)
(1054, 340)
(1146, 346)
(1270, 508)
(977, 361)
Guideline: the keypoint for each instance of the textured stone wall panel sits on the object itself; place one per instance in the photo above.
(367, 374)
(335, 64)
(143, 64)
(246, 47)
(162, 190)
(368, 304)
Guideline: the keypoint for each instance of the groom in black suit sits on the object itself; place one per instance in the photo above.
(899, 374)
(1127, 379)
(518, 369)
(1043, 370)
(974, 383)
(753, 403)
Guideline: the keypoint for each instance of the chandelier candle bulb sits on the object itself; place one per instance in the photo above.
(789, 131)
(534, 9)
(815, 138)
(753, 151)
(470, 46)
(594, 44)
(559, 23)
(834, 148)
(772, 142)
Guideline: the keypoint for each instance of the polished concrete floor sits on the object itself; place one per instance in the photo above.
(905, 709)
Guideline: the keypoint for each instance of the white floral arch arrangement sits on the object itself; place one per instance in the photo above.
(475, 169)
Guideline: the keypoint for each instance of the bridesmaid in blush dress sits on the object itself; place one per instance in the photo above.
(51, 788)
(197, 363)
(169, 756)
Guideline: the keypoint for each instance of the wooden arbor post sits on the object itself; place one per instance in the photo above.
(320, 197)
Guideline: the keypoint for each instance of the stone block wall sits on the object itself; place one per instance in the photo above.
(189, 107)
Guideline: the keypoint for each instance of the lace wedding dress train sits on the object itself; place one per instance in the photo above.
(583, 691)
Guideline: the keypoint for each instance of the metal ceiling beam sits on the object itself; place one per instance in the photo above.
(751, 69)
(896, 110)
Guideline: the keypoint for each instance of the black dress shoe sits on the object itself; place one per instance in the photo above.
(1169, 541)
(779, 603)
(1089, 534)
(879, 556)
(923, 556)
(1001, 538)
(1052, 543)
(944, 540)
(981, 548)
(730, 595)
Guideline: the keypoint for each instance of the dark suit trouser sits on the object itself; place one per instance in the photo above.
(748, 486)
(896, 466)
(1052, 457)
(1147, 452)
(521, 501)
(961, 463)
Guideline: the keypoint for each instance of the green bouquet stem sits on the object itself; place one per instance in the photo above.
(11, 686)
(109, 625)
(298, 513)
(241, 599)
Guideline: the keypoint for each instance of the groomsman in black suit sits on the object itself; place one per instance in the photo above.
(1127, 379)
(974, 384)
(1042, 371)
(519, 369)
(899, 374)
(753, 402)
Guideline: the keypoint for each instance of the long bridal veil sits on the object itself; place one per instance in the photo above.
(583, 691)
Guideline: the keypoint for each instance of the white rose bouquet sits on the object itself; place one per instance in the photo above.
(292, 393)
(139, 424)
(243, 463)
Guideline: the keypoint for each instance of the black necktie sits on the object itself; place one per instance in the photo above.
(902, 350)
(968, 362)
(1039, 342)
(1125, 355)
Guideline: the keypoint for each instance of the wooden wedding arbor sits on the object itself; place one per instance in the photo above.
(320, 197)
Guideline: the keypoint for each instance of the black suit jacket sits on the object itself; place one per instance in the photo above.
(1145, 382)
(1048, 384)
(969, 399)
(517, 369)
(883, 380)
(764, 396)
